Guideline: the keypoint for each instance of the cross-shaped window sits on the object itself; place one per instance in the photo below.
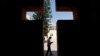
(58, 13)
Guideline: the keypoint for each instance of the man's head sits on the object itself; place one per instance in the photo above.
(50, 37)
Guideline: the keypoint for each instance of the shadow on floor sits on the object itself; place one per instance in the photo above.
(54, 53)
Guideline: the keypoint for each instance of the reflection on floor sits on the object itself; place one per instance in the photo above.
(54, 53)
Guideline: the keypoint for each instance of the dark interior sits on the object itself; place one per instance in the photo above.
(25, 37)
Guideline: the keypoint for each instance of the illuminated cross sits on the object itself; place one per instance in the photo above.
(57, 15)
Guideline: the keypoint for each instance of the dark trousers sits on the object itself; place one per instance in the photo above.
(49, 51)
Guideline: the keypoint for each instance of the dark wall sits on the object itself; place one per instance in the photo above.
(20, 37)
(23, 38)
(69, 40)
(30, 38)
(74, 36)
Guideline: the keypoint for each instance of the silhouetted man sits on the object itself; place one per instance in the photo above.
(49, 46)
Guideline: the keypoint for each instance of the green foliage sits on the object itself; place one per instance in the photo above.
(37, 16)
(44, 16)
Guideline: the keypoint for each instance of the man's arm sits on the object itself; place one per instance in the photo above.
(51, 42)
